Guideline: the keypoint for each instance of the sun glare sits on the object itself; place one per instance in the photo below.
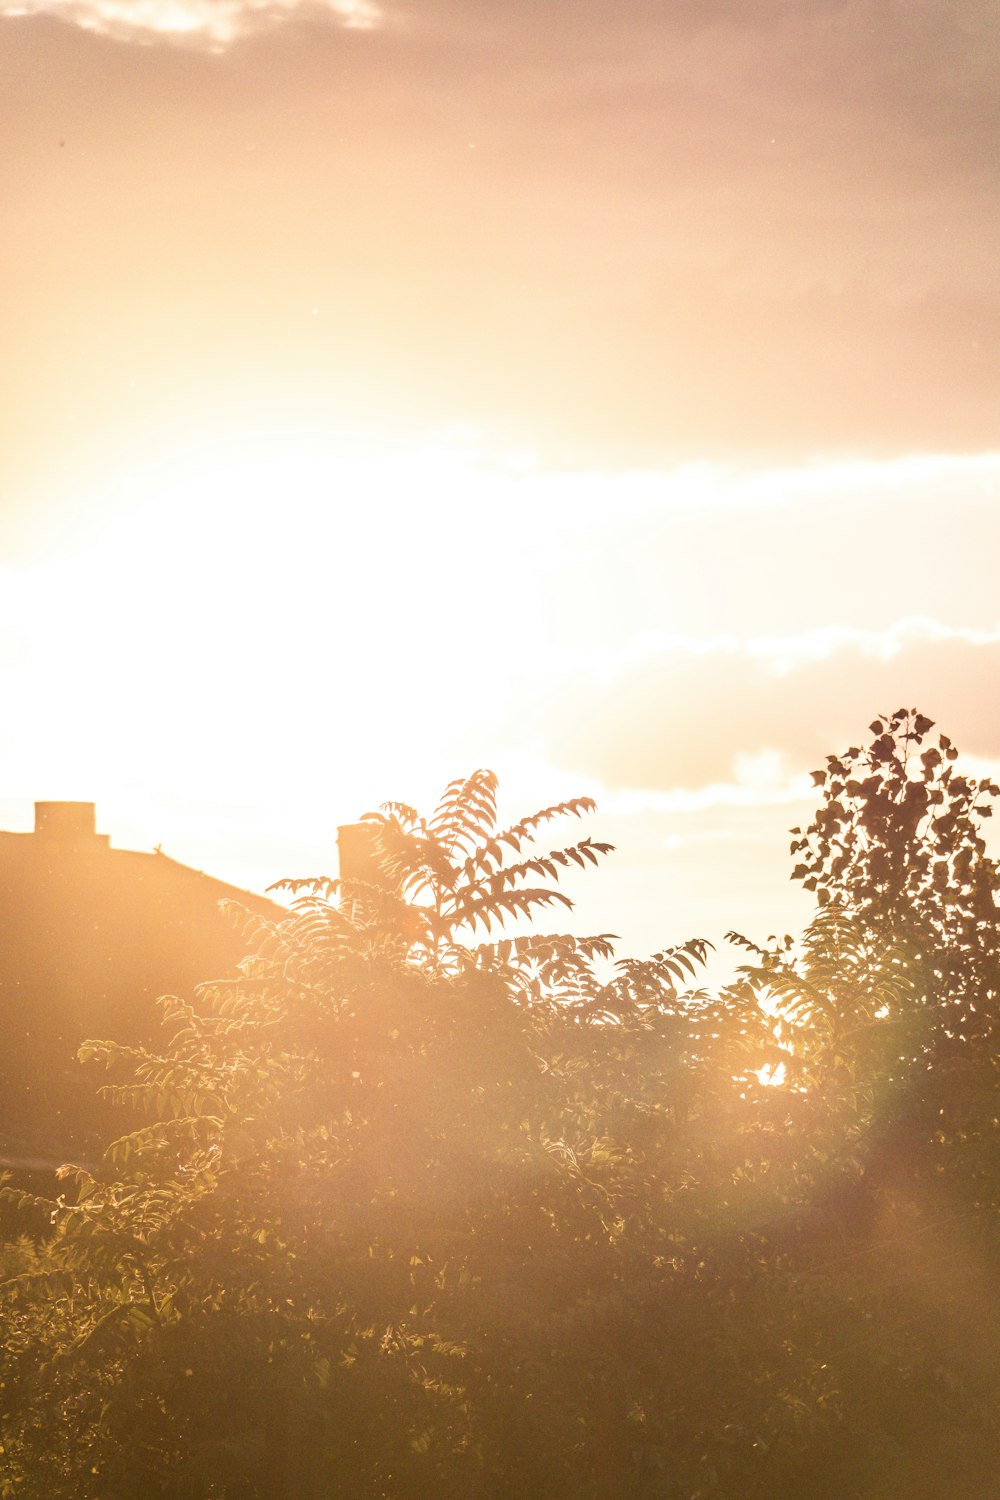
(260, 600)
(771, 1075)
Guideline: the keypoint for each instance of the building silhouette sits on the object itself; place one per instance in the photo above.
(90, 937)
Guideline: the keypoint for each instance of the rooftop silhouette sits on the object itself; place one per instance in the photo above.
(90, 937)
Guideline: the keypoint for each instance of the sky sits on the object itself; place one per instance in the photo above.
(604, 393)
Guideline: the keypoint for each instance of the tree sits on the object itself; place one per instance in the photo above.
(427, 1205)
(887, 1016)
(379, 1182)
(897, 844)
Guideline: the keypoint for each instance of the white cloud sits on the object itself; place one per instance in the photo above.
(775, 555)
(677, 723)
(779, 654)
(740, 793)
(211, 23)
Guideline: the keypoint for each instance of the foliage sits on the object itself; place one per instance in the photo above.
(429, 1203)
(898, 844)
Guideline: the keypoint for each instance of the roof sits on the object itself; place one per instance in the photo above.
(90, 937)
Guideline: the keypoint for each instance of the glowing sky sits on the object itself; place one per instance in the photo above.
(606, 393)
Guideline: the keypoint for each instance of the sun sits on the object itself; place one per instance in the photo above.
(275, 610)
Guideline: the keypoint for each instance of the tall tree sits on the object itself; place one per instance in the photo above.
(898, 844)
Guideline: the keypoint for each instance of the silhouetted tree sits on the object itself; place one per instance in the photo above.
(426, 1209)
(897, 844)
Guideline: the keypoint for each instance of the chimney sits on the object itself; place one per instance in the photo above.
(358, 855)
(69, 823)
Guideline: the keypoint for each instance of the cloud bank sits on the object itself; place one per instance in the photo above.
(682, 724)
(208, 23)
(635, 234)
